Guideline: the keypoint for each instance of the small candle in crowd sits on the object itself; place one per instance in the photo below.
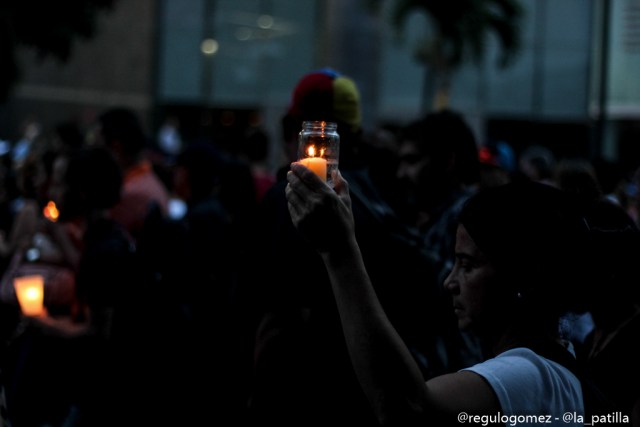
(51, 212)
(30, 294)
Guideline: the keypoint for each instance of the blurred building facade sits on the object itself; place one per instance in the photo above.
(222, 63)
(114, 68)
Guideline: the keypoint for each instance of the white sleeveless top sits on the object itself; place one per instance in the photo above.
(528, 384)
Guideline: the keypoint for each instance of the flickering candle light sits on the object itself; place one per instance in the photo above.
(30, 294)
(318, 148)
(51, 212)
(317, 164)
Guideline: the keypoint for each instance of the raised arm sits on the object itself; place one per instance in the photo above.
(385, 368)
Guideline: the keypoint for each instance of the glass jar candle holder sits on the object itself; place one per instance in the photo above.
(319, 148)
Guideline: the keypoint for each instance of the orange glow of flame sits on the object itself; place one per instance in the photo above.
(51, 212)
(311, 151)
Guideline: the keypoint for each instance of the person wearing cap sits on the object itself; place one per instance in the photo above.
(302, 371)
(518, 259)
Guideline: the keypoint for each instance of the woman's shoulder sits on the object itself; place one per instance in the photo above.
(528, 383)
(524, 362)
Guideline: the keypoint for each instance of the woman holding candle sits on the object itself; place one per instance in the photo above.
(40, 244)
(72, 360)
(517, 252)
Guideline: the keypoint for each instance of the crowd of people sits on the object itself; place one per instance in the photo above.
(188, 284)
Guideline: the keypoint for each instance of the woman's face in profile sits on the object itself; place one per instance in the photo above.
(470, 283)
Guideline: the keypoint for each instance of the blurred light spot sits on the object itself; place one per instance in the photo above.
(209, 46)
(265, 21)
(32, 254)
(177, 208)
(243, 33)
(51, 212)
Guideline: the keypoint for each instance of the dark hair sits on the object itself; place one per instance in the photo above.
(203, 164)
(122, 124)
(256, 144)
(577, 175)
(70, 134)
(442, 134)
(93, 179)
(614, 250)
(535, 235)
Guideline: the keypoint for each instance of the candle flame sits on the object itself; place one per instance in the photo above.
(311, 151)
(33, 293)
(51, 211)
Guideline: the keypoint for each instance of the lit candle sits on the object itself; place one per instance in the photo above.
(317, 164)
(51, 211)
(30, 293)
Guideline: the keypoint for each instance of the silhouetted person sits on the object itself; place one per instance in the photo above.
(438, 170)
(121, 131)
(256, 150)
(69, 366)
(608, 352)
